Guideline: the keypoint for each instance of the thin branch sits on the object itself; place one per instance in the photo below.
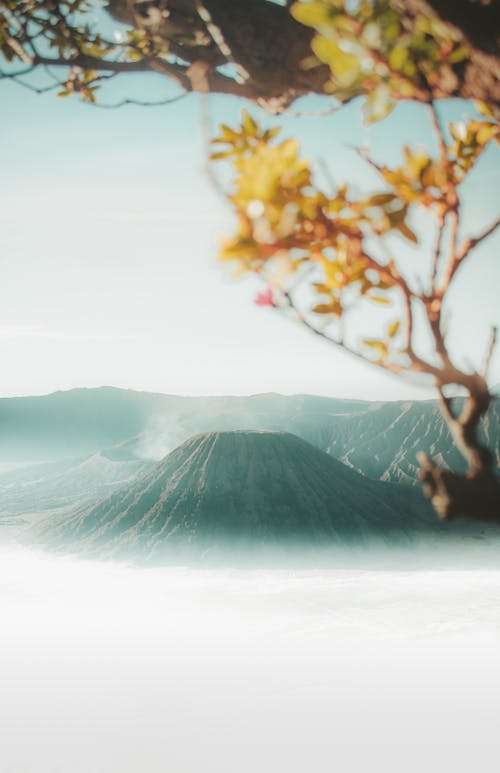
(438, 130)
(321, 163)
(489, 352)
(437, 252)
(340, 344)
(455, 219)
(459, 256)
(363, 154)
(29, 86)
(140, 103)
(206, 133)
(18, 73)
(215, 81)
(88, 62)
(474, 241)
(55, 85)
(312, 113)
(392, 275)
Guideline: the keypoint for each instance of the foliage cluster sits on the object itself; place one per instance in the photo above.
(373, 51)
(291, 231)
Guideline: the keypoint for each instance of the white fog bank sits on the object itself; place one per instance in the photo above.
(111, 669)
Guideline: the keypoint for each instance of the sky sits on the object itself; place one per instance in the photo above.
(108, 251)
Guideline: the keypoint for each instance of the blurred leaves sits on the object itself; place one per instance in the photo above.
(68, 32)
(325, 241)
(370, 50)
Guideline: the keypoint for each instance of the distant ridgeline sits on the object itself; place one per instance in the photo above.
(110, 472)
(379, 440)
(237, 489)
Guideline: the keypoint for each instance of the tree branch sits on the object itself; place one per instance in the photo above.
(140, 103)
(340, 344)
(263, 43)
(438, 130)
(217, 83)
(437, 252)
(458, 256)
(489, 352)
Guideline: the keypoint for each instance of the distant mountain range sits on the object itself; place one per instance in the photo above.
(50, 486)
(113, 471)
(241, 488)
(378, 439)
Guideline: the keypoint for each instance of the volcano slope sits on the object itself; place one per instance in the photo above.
(241, 488)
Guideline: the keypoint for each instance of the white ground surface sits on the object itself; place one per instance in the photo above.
(111, 669)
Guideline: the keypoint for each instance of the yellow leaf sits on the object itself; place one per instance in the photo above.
(379, 299)
(227, 134)
(486, 132)
(345, 67)
(325, 308)
(269, 134)
(222, 154)
(398, 57)
(312, 14)
(373, 343)
(458, 55)
(406, 231)
(323, 289)
(483, 108)
(379, 199)
(393, 328)
(249, 124)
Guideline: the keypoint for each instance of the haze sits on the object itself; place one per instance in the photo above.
(106, 667)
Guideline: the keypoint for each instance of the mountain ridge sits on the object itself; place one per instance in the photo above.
(242, 487)
(379, 440)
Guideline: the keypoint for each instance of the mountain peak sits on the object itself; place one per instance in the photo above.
(241, 487)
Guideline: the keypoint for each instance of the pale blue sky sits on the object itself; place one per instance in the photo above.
(108, 252)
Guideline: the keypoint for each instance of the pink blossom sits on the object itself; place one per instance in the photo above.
(265, 298)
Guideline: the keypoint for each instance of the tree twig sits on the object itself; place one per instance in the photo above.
(437, 251)
(458, 256)
(438, 130)
(489, 352)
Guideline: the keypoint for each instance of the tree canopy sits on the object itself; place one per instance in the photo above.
(268, 52)
(319, 253)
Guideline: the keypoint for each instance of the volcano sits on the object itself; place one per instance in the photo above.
(241, 487)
